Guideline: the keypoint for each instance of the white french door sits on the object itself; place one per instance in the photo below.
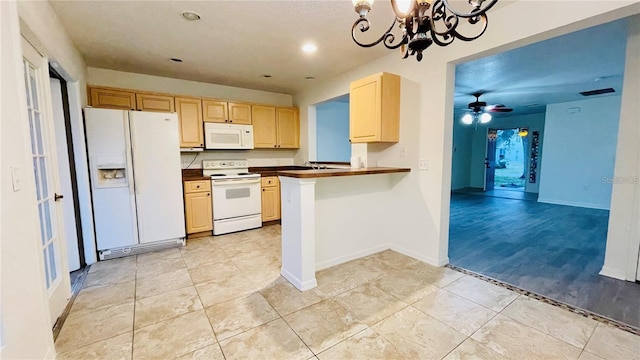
(52, 250)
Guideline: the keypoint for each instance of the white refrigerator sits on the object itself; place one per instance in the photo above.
(136, 180)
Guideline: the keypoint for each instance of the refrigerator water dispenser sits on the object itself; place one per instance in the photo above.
(110, 173)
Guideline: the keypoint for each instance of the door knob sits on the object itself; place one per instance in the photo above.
(57, 197)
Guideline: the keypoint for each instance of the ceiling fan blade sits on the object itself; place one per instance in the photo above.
(500, 110)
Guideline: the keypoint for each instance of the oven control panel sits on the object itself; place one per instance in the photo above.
(224, 164)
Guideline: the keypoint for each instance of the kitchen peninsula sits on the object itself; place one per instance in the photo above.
(330, 216)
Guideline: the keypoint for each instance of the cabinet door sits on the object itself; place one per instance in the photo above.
(150, 102)
(240, 113)
(190, 118)
(364, 110)
(270, 203)
(112, 99)
(214, 111)
(288, 128)
(198, 211)
(264, 126)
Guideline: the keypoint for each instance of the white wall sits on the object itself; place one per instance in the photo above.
(534, 122)
(461, 157)
(348, 219)
(332, 131)
(419, 208)
(579, 152)
(266, 157)
(26, 331)
(623, 237)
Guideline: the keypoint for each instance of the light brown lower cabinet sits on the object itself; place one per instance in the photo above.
(270, 198)
(197, 206)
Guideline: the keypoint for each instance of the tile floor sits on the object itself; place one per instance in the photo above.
(222, 298)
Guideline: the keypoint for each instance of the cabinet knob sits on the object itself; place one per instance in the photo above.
(208, 194)
(262, 189)
(230, 121)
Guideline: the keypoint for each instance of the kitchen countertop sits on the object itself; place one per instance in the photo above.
(340, 172)
(275, 170)
(193, 175)
(297, 171)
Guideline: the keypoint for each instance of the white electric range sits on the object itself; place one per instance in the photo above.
(236, 199)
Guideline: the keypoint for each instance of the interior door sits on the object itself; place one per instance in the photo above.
(490, 160)
(51, 247)
(64, 175)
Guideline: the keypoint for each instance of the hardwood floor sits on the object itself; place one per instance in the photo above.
(553, 250)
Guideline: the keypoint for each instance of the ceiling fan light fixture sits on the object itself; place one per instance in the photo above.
(485, 118)
(467, 119)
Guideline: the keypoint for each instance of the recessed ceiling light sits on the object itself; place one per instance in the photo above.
(177, 60)
(190, 16)
(266, 76)
(310, 78)
(309, 48)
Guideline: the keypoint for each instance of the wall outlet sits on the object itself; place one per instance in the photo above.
(423, 164)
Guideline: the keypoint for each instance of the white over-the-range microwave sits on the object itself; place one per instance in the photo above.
(228, 136)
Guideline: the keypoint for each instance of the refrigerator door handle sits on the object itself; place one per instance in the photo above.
(129, 148)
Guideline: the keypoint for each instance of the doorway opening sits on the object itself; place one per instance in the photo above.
(555, 245)
(511, 145)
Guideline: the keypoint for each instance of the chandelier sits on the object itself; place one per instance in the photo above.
(422, 22)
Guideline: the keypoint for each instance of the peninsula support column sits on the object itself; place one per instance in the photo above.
(297, 201)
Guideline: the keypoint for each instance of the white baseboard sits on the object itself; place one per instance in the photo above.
(573, 203)
(613, 273)
(301, 285)
(429, 260)
(345, 258)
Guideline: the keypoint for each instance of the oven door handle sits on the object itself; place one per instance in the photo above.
(235, 182)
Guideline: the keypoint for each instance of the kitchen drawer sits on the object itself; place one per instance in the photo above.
(269, 181)
(197, 186)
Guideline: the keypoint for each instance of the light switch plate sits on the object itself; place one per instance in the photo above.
(423, 164)
(403, 151)
(16, 178)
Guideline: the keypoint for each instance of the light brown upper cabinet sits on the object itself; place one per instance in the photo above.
(288, 123)
(374, 109)
(226, 112)
(190, 117)
(240, 113)
(112, 98)
(214, 111)
(275, 127)
(155, 102)
(264, 126)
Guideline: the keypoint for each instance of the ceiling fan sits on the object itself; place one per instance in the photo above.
(479, 111)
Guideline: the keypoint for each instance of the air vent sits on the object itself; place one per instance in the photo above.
(597, 92)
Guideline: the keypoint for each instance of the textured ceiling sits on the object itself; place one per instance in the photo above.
(233, 44)
(552, 71)
(237, 41)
